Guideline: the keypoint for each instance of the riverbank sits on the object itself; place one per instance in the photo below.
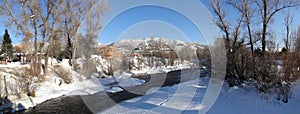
(75, 104)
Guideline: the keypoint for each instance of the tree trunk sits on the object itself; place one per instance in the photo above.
(70, 50)
(250, 38)
(265, 25)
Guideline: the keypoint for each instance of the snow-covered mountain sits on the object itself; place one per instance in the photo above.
(177, 45)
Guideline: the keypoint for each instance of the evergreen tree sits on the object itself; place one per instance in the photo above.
(7, 48)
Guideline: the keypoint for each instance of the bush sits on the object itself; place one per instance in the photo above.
(88, 68)
(64, 74)
(282, 89)
(24, 82)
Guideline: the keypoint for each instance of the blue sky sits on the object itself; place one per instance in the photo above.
(150, 20)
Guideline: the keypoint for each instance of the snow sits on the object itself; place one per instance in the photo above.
(50, 89)
(114, 84)
(127, 82)
(248, 100)
(53, 86)
(114, 89)
(50, 60)
(187, 97)
(164, 100)
(13, 65)
(163, 69)
(65, 63)
(182, 98)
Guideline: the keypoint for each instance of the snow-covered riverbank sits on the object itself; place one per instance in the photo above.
(53, 86)
(187, 98)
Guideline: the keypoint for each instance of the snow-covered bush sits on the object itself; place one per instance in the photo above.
(88, 68)
(283, 91)
(23, 82)
(64, 74)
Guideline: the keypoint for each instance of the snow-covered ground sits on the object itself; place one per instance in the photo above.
(163, 69)
(187, 98)
(13, 64)
(114, 84)
(182, 98)
(53, 87)
(248, 101)
(50, 89)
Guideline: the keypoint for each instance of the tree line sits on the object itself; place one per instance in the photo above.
(253, 55)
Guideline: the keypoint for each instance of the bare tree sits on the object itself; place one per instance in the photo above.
(40, 22)
(51, 30)
(297, 42)
(220, 21)
(269, 8)
(26, 22)
(73, 15)
(233, 42)
(78, 14)
(244, 7)
(288, 20)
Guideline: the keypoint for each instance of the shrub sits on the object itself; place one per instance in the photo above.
(64, 74)
(24, 82)
(88, 68)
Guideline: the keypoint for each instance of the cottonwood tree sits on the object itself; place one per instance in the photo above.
(26, 22)
(288, 56)
(264, 72)
(297, 41)
(288, 20)
(297, 51)
(220, 13)
(268, 9)
(89, 26)
(79, 14)
(244, 7)
(39, 22)
(50, 33)
(232, 39)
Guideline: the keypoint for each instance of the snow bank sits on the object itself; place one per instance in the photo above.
(53, 86)
(164, 69)
(13, 65)
(184, 98)
(115, 84)
(51, 89)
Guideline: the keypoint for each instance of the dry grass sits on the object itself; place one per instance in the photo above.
(22, 81)
(63, 73)
(88, 69)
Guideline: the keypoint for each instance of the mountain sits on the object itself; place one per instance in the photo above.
(131, 44)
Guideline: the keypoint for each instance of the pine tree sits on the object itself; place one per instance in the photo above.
(7, 48)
